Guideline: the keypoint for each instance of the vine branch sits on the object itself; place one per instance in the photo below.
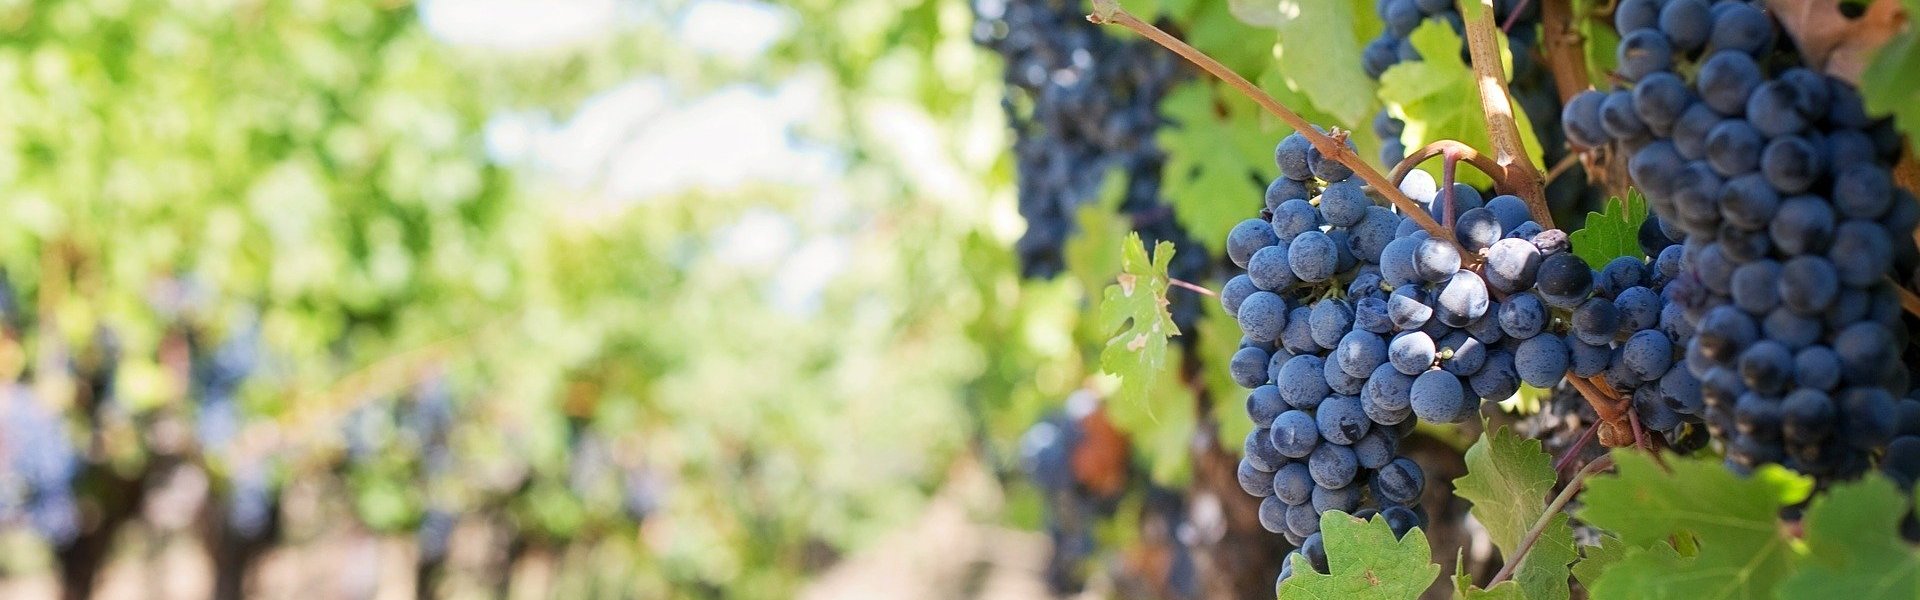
(1109, 12)
(1539, 528)
(1458, 151)
(1483, 44)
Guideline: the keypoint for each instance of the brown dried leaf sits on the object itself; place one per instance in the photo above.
(1833, 43)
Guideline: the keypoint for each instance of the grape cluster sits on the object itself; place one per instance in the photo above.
(1072, 508)
(38, 466)
(1780, 186)
(1313, 305)
(1393, 47)
(1902, 460)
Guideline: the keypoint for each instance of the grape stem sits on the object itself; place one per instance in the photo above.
(1198, 289)
(1109, 12)
(1458, 151)
(1564, 48)
(1483, 44)
(1908, 300)
(1539, 528)
(1573, 452)
(1604, 402)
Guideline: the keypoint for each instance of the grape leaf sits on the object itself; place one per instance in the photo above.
(1100, 228)
(1613, 234)
(1888, 83)
(1136, 307)
(1599, 41)
(1365, 561)
(1439, 100)
(1464, 590)
(1313, 35)
(1595, 559)
(1743, 552)
(1854, 546)
(1160, 438)
(1216, 164)
(1508, 480)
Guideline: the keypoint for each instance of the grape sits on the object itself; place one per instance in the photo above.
(1368, 239)
(1269, 271)
(1733, 147)
(1619, 274)
(1726, 80)
(1249, 367)
(1400, 519)
(1293, 218)
(1340, 382)
(1682, 390)
(1861, 253)
(1862, 191)
(1293, 484)
(1376, 449)
(1376, 59)
(1411, 353)
(1848, 147)
(1438, 397)
(1565, 275)
(1294, 434)
(1370, 315)
(1817, 368)
(1291, 156)
(1724, 332)
(1387, 388)
(1740, 27)
(1333, 465)
(1396, 261)
(1315, 549)
(1790, 163)
(1406, 310)
(1262, 316)
(1477, 229)
(1653, 410)
(1846, 110)
(1486, 329)
(1257, 449)
(1400, 482)
(1254, 481)
(1806, 416)
(1867, 416)
(1757, 416)
(1866, 352)
(1742, 245)
(1343, 204)
(1512, 264)
(1509, 210)
(1467, 354)
(1273, 515)
(1298, 335)
(1639, 309)
(1772, 109)
(1808, 284)
(1581, 120)
(1462, 299)
(1328, 168)
(1630, 15)
(1331, 319)
(1541, 360)
(1643, 52)
(1497, 378)
(1343, 499)
(1617, 115)
(1802, 225)
(1302, 521)
(1690, 131)
(1360, 352)
(1686, 23)
(1303, 382)
(1435, 260)
(1236, 292)
(1523, 316)
(1766, 367)
(1313, 256)
(1283, 189)
(1648, 354)
(1749, 202)
(1596, 321)
(1659, 98)
(1655, 168)
(1755, 286)
(1264, 403)
(1711, 265)
(1246, 238)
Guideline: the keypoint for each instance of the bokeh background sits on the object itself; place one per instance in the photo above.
(526, 298)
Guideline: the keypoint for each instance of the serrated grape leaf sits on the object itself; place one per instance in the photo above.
(1135, 306)
(1464, 590)
(1438, 99)
(1313, 35)
(1612, 234)
(1743, 550)
(1888, 83)
(1365, 562)
(1508, 480)
(1594, 560)
(1217, 164)
(1854, 546)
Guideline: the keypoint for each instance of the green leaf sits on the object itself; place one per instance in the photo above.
(1438, 100)
(1508, 481)
(1596, 559)
(1313, 35)
(1854, 546)
(1463, 584)
(1089, 252)
(1613, 234)
(1219, 338)
(1365, 562)
(1161, 438)
(1217, 163)
(1601, 41)
(1888, 82)
(1136, 307)
(1743, 552)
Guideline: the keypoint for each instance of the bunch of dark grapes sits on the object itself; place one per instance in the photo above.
(1314, 310)
(1082, 103)
(1071, 456)
(38, 466)
(1393, 47)
(1902, 460)
(1780, 185)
